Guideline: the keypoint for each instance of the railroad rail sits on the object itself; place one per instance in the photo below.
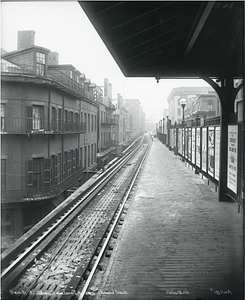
(50, 259)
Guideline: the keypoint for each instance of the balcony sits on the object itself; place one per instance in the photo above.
(36, 194)
(110, 106)
(66, 80)
(59, 127)
(108, 121)
(52, 77)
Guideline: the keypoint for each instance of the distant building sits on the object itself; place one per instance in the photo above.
(106, 140)
(121, 131)
(207, 106)
(136, 117)
(191, 95)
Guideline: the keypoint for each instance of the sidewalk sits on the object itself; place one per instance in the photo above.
(178, 241)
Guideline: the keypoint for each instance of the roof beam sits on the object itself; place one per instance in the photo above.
(199, 26)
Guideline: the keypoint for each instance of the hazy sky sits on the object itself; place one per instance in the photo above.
(63, 27)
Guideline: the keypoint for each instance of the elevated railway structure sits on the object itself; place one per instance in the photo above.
(56, 256)
(179, 39)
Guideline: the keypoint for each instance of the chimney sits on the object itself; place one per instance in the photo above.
(26, 39)
(53, 58)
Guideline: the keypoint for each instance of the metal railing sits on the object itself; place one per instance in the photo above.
(66, 80)
(43, 192)
(108, 121)
(55, 76)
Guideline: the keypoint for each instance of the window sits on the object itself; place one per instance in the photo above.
(178, 111)
(92, 153)
(92, 122)
(77, 159)
(95, 149)
(53, 175)
(59, 168)
(85, 120)
(69, 163)
(35, 117)
(66, 120)
(85, 157)
(37, 172)
(89, 153)
(83, 128)
(53, 119)
(3, 116)
(65, 165)
(59, 119)
(72, 121)
(40, 58)
(88, 122)
(40, 63)
(72, 161)
(71, 75)
(210, 104)
(81, 157)
(77, 121)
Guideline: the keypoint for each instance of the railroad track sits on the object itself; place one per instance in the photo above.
(58, 254)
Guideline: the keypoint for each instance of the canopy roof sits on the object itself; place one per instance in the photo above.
(176, 39)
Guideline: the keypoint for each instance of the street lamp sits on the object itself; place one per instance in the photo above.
(183, 104)
(167, 127)
(196, 123)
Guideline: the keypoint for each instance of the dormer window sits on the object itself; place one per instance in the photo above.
(210, 104)
(40, 63)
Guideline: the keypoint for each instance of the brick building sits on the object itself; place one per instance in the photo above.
(121, 131)
(106, 139)
(49, 132)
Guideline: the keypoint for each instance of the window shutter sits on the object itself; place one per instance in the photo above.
(74, 160)
(29, 173)
(77, 160)
(44, 117)
(29, 121)
(47, 172)
(56, 169)
(69, 163)
(65, 162)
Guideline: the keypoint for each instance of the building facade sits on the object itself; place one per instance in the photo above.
(56, 128)
(136, 117)
(190, 94)
(49, 133)
(106, 139)
(121, 131)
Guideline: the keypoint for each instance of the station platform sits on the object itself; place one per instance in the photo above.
(177, 241)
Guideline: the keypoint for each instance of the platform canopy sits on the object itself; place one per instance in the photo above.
(172, 39)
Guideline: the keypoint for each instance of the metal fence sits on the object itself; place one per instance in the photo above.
(199, 146)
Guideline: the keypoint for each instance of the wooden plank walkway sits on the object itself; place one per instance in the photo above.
(177, 241)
